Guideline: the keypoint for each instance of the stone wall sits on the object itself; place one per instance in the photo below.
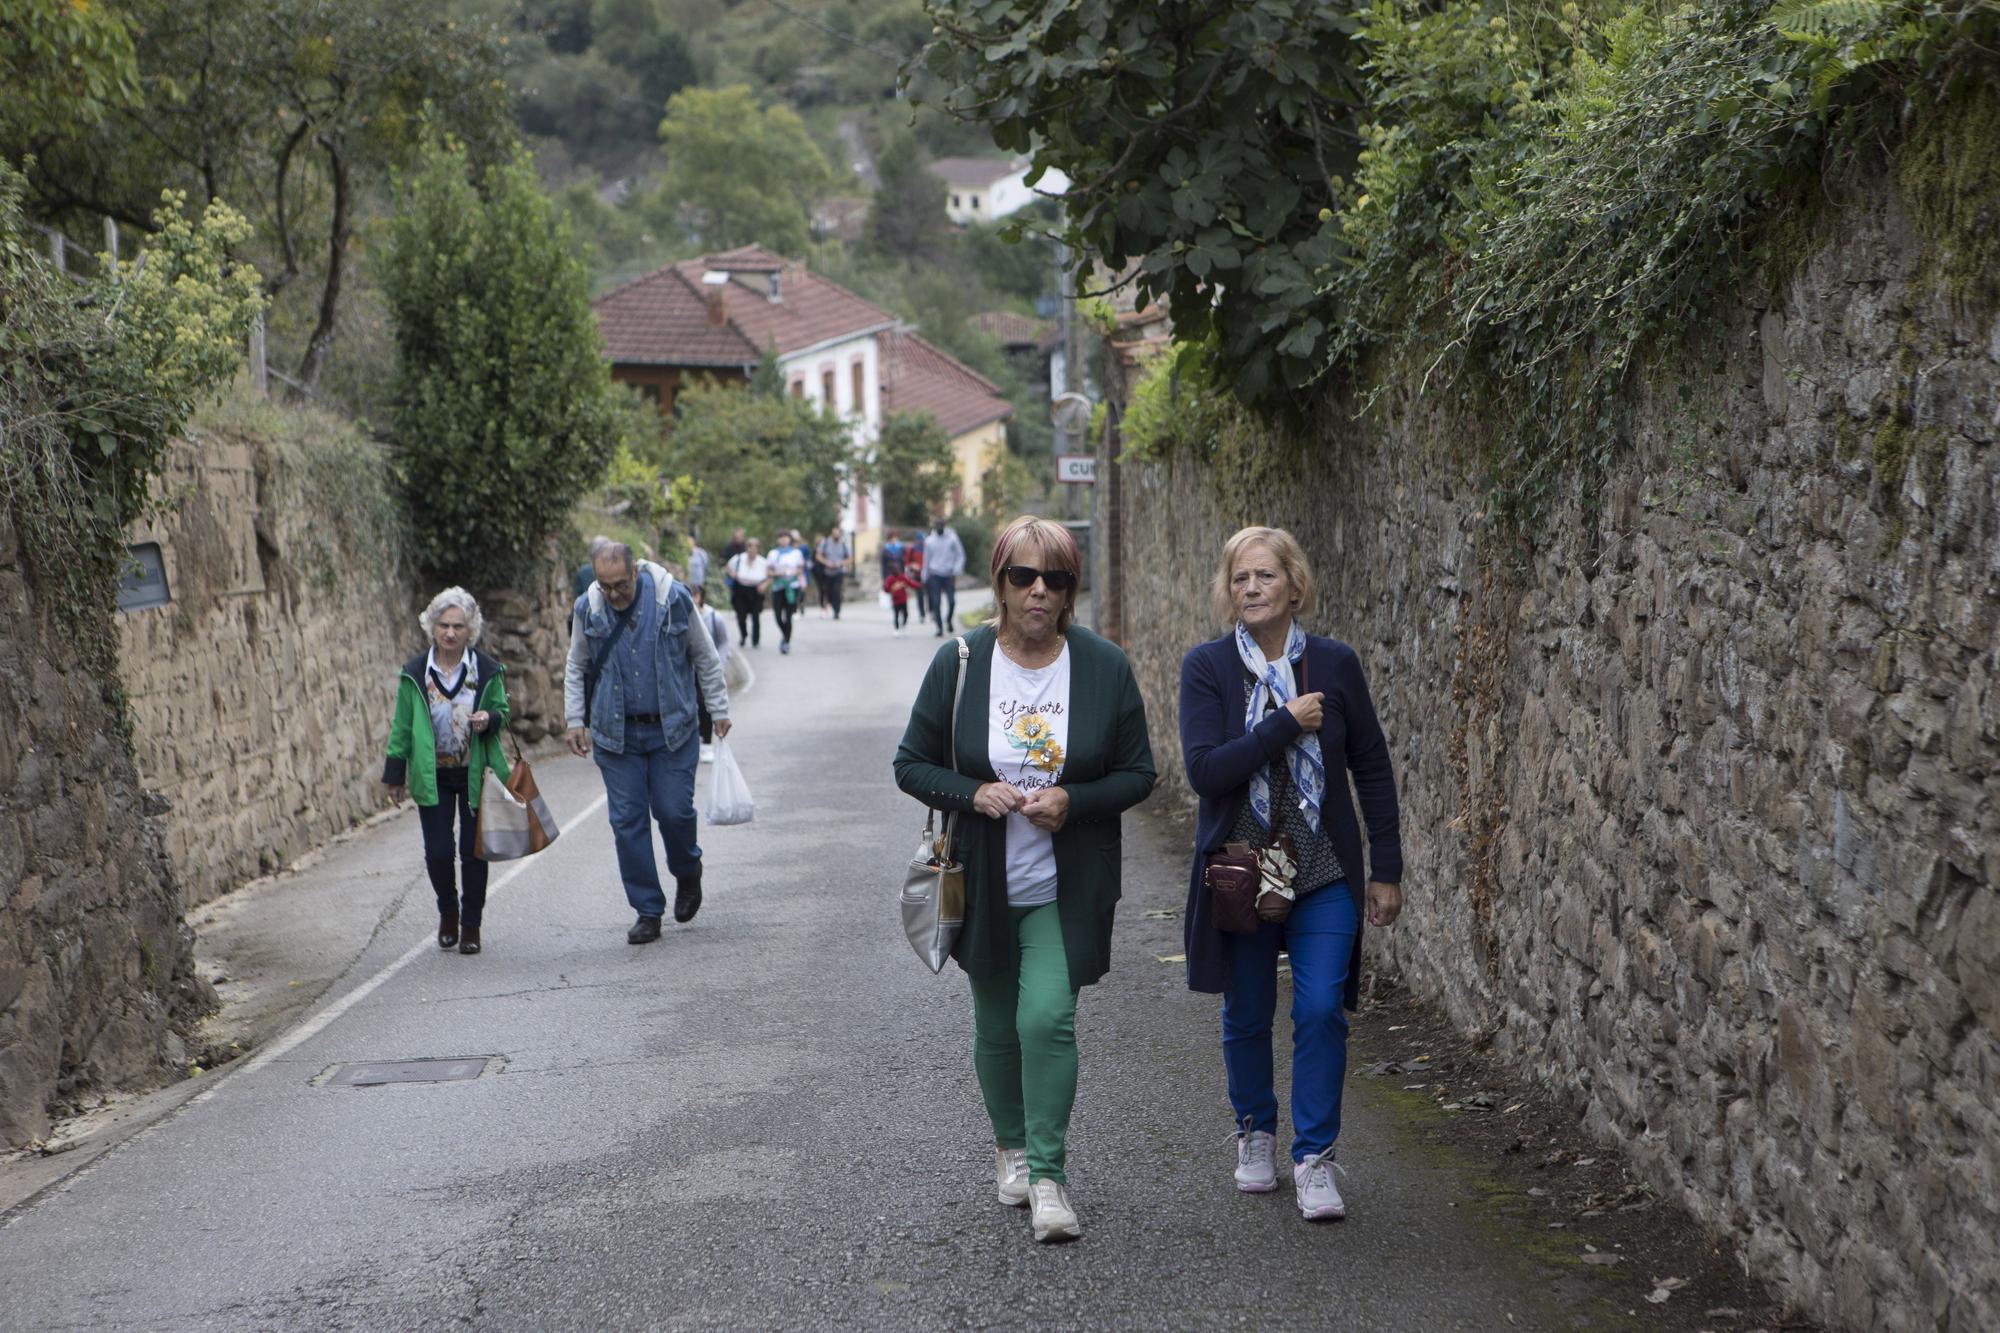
(1699, 793)
(96, 969)
(262, 693)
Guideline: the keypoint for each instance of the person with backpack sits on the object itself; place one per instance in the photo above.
(639, 671)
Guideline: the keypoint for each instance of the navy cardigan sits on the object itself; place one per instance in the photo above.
(1221, 757)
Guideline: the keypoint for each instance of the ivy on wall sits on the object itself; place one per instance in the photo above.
(1517, 205)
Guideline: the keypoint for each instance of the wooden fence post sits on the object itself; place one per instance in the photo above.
(260, 379)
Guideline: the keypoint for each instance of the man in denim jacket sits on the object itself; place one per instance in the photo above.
(629, 697)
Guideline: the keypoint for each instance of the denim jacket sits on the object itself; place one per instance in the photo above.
(682, 663)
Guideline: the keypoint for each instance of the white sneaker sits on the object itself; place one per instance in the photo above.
(1319, 1197)
(1053, 1217)
(1010, 1176)
(707, 754)
(1255, 1171)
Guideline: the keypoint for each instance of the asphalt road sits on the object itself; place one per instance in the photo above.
(769, 1119)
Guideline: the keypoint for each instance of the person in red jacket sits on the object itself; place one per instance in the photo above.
(899, 586)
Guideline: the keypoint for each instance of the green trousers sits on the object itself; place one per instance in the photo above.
(1024, 1044)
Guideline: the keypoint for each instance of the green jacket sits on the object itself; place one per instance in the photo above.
(1108, 770)
(413, 745)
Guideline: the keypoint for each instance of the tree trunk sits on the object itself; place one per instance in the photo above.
(288, 248)
(320, 345)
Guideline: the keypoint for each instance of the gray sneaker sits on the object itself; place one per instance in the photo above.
(1256, 1172)
(1010, 1176)
(1053, 1217)
(1319, 1197)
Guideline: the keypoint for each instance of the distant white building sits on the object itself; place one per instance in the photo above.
(985, 189)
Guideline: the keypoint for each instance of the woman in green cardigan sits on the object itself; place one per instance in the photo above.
(1050, 749)
(451, 706)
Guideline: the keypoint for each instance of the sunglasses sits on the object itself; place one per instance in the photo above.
(1024, 576)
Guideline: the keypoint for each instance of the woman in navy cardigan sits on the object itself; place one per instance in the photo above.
(1272, 722)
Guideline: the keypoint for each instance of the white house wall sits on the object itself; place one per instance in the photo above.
(1001, 198)
(862, 516)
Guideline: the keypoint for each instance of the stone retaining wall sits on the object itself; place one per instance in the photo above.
(261, 694)
(96, 968)
(1699, 795)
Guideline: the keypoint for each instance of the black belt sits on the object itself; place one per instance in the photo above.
(653, 718)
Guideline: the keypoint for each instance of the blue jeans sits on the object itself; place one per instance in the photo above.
(941, 591)
(649, 782)
(1319, 935)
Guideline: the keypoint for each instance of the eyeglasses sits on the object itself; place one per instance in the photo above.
(1024, 576)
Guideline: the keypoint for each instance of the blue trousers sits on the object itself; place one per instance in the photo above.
(1319, 935)
(651, 782)
(941, 592)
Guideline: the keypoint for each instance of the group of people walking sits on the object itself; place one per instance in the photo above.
(1050, 746)
(643, 693)
(926, 567)
(780, 576)
(1036, 736)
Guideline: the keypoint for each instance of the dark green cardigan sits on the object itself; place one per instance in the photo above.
(1108, 770)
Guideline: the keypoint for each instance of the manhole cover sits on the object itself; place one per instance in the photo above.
(378, 1072)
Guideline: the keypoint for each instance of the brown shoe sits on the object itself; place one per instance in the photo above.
(447, 929)
(468, 940)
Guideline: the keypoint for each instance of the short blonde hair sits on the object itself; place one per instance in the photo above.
(475, 623)
(1292, 563)
(1057, 546)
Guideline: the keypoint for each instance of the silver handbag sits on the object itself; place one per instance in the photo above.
(933, 896)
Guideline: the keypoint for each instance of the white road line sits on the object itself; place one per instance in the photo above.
(319, 1022)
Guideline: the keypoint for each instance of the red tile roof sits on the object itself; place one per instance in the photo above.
(1014, 330)
(663, 319)
(918, 377)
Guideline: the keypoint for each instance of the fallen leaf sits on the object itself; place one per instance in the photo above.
(1172, 957)
(1601, 1260)
(1664, 1287)
(1515, 1107)
(1585, 1161)
(1538, 1193)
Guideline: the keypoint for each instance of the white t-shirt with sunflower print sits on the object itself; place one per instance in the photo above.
(1027, 741)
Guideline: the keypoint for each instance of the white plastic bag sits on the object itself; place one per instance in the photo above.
(728, 794)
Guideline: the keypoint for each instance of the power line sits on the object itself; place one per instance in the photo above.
(889, 56)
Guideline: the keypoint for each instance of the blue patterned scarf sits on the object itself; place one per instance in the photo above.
(1302, 756)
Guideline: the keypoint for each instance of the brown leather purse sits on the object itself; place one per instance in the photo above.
(1239, 896)
(1233, 881)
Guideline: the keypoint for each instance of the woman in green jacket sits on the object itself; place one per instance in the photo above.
(451, 706)
(1050, 747)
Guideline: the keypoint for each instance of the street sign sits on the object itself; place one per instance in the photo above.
(1076, 469)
